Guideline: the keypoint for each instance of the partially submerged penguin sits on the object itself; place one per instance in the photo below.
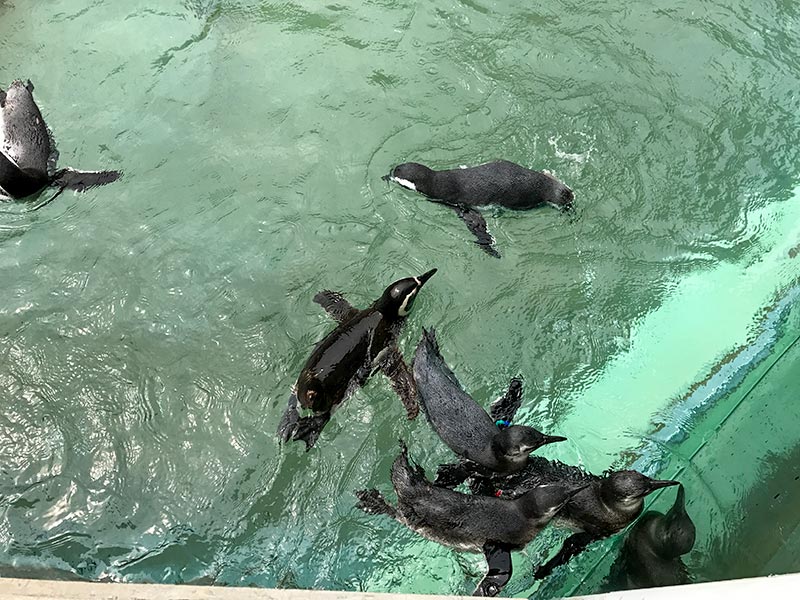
(502, 183)
(466, 522)
(651, 553)
(27, 152)
(464, 426)
(363, 343)
(607, 505)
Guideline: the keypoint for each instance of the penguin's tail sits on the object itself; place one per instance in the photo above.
(71, 179)
(404, 475)
(428, 346)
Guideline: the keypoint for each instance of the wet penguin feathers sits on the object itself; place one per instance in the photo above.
(461, 423)
(501, 183)
(27, 153)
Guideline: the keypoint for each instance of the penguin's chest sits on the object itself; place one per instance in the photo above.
(343, 361)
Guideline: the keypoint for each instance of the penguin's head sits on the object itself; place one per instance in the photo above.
(675, 533)
(17, 92)
(544, 501)
(412, 176)
(518, 441)
(627, 486)
(398, 298)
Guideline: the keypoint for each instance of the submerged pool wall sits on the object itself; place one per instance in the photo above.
(733, 437)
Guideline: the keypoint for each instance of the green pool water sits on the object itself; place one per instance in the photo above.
(151, 330)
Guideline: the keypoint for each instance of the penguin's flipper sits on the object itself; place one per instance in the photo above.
(477, 225)
(309, 428)
(373, 503)
(498, 558)
(2, 98)
(396, 369)
(451, 475)
(573, 545)
(335, 305)
(289, 419)
(504, 409)
(81, 180)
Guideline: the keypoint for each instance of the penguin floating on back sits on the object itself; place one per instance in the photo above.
(652, 550)
(469, 523)
(27, 152)
(363, 343)
(464, 426)
(502, 183)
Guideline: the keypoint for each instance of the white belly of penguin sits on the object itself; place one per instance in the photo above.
(434, 536)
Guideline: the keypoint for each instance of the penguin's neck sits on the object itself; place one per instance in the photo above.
(441, 185)
(623, 506)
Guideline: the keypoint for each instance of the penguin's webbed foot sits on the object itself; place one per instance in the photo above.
(451, 475)
(373, 503)
(309, 429)
(499, 559)
(506, 407)
(288, 424)
(396, 369)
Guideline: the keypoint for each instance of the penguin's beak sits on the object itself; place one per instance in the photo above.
(388, 177)
(424, 277)
(552, 439)
(657, 484)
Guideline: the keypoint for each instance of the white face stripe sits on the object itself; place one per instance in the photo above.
(404, 309)
(404, 182)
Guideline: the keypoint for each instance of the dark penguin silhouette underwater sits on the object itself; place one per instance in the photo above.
(501, 183)
(27, 153)
(651, 553)
(364, 342)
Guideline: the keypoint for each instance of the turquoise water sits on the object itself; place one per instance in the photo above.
(150, 330)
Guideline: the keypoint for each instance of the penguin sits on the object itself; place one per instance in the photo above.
(363, 343)
(652, 550)
(27, 152)
(464, 426)
(469, 523)
(502, 183)
(607, 506)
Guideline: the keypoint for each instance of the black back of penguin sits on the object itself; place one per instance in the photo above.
(609, 503)
(461, 423)
(502, 182)
(467, 522)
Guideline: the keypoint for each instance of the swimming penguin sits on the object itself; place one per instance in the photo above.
(651, 553)
(607, 505)
(363, 343)
(469, 523)
(463, 425)
(502, 182)
(27, 153)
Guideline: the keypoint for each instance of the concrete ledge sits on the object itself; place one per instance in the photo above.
(777, 587)
(36, 589)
